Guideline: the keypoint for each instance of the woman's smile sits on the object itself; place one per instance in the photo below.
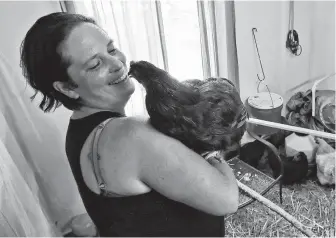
(122, 78)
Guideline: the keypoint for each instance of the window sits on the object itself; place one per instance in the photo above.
(182, 35)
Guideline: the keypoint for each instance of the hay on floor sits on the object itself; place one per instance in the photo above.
(309, 202)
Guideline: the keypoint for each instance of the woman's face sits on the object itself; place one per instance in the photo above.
(97, 67)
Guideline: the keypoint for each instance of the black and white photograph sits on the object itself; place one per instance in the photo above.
(167, 118)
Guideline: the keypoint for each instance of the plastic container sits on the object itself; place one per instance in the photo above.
(295, 143)
(265, 106)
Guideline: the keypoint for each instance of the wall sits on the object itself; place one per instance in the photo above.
(41, 136)
(315, 23)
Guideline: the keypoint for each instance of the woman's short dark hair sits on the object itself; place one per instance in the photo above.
(41, 60)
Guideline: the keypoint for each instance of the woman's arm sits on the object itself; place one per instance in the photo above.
(180, 174)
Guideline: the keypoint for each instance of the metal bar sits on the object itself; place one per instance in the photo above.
(212, 12)
(68, 6)
(62, 6)
(204, 39)
(292, 128)
(314, 91)
(231, 48)
(162, 35)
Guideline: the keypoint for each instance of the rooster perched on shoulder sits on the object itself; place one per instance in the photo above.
(205, 115)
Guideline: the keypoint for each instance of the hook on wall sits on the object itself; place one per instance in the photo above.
(262, 69)
(255, 41)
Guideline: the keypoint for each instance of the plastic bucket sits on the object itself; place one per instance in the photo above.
(265, 106)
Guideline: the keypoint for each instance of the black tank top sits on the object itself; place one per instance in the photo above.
(149, 214)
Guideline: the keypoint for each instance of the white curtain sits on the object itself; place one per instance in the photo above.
(22, 212)
(37, 191)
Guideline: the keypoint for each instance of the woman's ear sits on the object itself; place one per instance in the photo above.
(64, 88)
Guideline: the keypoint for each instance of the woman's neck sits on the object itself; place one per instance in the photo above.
(86, 111)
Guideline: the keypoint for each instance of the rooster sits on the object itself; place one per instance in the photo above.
(205, 115)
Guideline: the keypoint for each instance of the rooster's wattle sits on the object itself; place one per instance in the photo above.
(205, 115)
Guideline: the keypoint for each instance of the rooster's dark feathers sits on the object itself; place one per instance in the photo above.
(205, 115)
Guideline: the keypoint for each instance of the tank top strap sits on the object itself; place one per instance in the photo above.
(95, 160)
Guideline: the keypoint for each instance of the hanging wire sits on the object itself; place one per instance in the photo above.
(291, 15)
(292, 42)
(255, 41)
(262, 69)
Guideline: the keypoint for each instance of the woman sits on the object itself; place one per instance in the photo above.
(143, 183)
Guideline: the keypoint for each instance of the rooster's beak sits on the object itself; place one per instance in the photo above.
(130, 69)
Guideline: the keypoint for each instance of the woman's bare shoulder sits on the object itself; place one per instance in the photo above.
(132, 128)
(120, 148)
(135, 136)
